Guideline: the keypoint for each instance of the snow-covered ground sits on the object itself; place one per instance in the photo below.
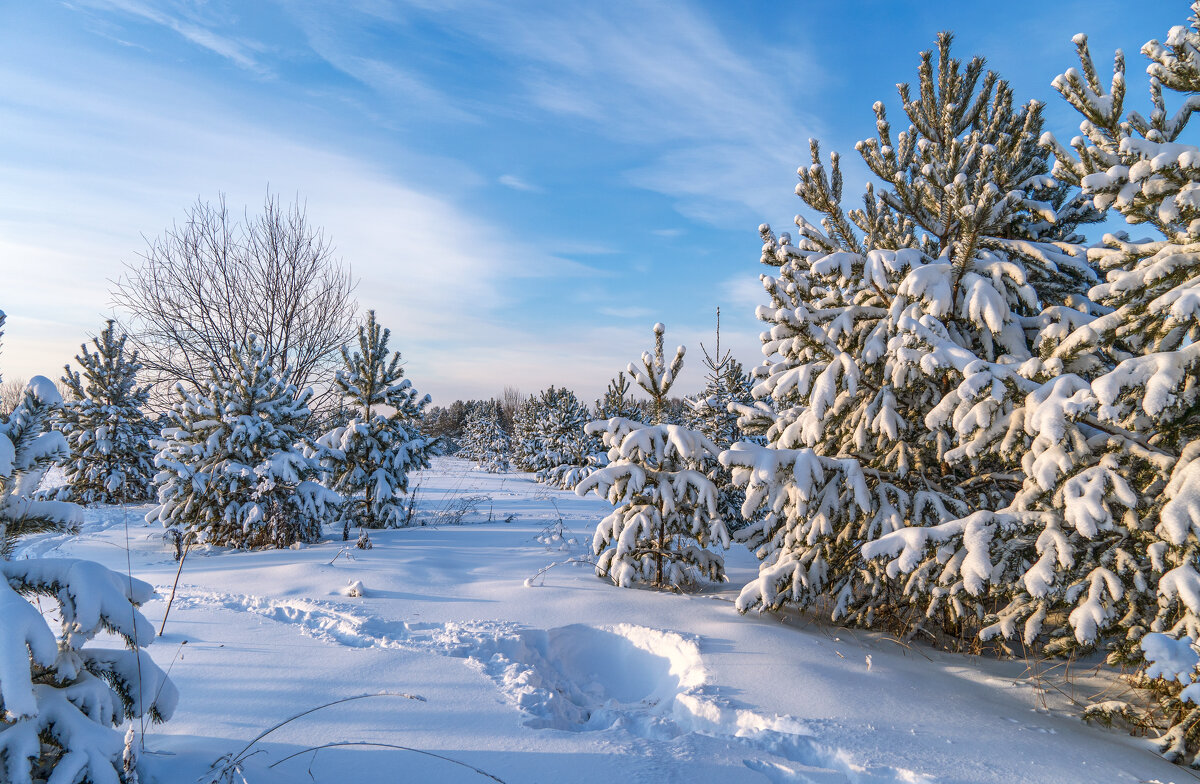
(564, 678)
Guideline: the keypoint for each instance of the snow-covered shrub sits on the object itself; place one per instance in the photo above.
(902, 338)
(369, 458)
(111, 458)
(484, 439)
(231, 469)
(666, 516)
(62, 698)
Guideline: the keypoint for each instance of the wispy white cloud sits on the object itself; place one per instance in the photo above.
(75, 201)
(401, 86)
(518, 184)
(723, 122)
(196, 22)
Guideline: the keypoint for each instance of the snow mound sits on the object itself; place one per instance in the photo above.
(580, 678)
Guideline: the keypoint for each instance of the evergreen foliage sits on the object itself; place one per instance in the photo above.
(618, 402)
(484, 439)
(902, 336)
(666, 514)
(61, 697)
(551, 440)
(370, 457)
(231, 468)
(526, 441)
(975, 425)
(446, 424)
(1100, 543)
(655, 376)
(726, 384)
(109, 436)
(713, 413)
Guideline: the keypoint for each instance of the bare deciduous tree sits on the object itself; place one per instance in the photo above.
(10, 395)
(206, 284)
(510, 401)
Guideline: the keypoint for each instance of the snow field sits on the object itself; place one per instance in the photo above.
(573, 681)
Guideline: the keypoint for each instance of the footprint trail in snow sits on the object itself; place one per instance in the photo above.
(649, 683)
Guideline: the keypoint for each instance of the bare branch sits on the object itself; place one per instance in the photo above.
(206, 284)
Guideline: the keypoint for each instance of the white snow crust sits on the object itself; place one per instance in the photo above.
(572, 681)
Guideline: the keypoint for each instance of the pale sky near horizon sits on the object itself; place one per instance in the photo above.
(523, 188)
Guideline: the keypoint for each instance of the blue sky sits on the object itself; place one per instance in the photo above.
(522, 188)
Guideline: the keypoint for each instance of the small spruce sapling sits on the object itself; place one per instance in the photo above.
(232, 471)
(111, 458)
(666, 516)
(369, 458)
(487, 442)
(713, 412)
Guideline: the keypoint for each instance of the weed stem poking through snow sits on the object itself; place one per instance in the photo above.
(386, 746)
(226, 766)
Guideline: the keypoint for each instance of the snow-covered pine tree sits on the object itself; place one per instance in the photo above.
(666, 515)
(566, 451)
(617, 401)
(526, 438)
(61, 698)
(485, 440)
(903, 337)
(1112, 494)
(368, 460)
(467, 446)
(111, 458)
(232, 471)
(713, 412)
(28, 448)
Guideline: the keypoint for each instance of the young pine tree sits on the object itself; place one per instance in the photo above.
(1113, 491)
(713, 412)
(565, 450)
(111, 458)
(526, 439)
(62, 696)
(231, 469)
(370, 457)
(487, 443)
(903, 338)
(618, 402)
(666, 516)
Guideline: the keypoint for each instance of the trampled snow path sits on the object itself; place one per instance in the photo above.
(648, 682)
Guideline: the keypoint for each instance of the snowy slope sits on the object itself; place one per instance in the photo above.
(572, 680)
